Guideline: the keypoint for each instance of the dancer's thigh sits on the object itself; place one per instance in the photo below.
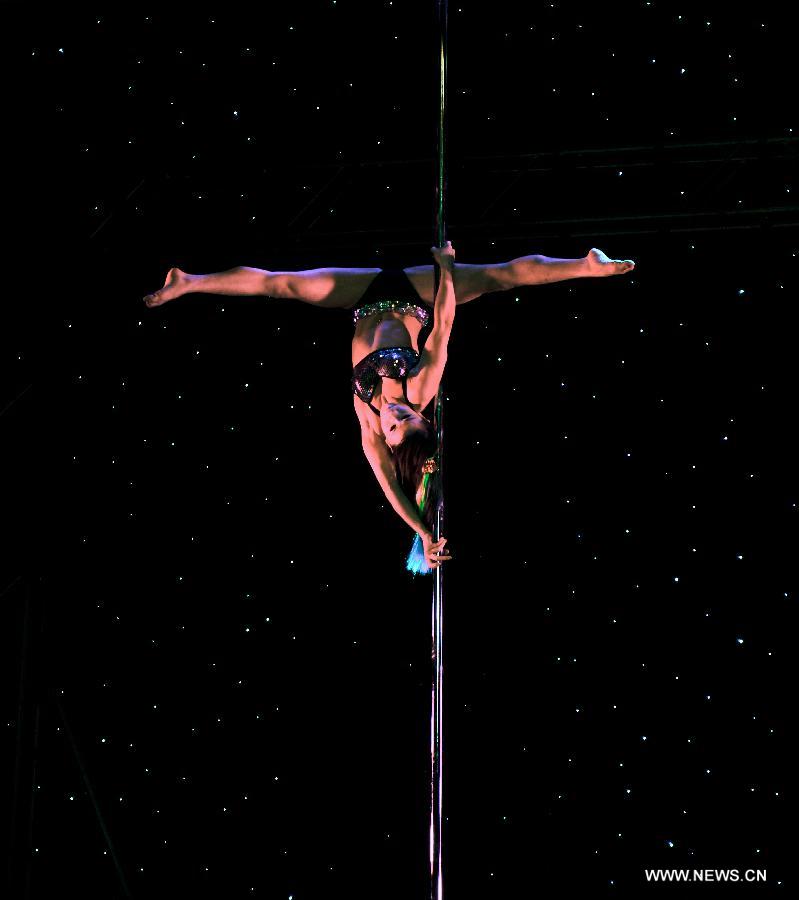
(471, 280)
(327, 287)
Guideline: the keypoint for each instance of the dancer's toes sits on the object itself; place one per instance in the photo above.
(600, 264)
(174, 285)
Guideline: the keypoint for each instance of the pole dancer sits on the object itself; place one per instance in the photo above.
(399, 351)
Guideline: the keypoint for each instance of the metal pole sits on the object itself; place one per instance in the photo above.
(436, 873)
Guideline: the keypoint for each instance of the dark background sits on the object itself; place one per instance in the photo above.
(233, 671)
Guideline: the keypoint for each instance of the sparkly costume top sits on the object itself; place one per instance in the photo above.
(405, 307)
(387, 362)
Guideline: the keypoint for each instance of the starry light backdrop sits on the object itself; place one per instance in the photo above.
(242, 660)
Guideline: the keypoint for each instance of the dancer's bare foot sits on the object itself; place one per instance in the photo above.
(175, 284)
(599, 264)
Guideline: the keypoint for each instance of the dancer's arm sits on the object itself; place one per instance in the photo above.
(377, 453)
(379, 457)
(423, 383)
(444, 306)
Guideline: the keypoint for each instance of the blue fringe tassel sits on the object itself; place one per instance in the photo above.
(416, 562)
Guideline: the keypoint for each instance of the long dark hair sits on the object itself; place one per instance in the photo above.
(409, 456)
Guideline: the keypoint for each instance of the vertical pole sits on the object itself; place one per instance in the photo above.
(436, 874)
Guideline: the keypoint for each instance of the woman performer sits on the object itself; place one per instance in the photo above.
(399, 351)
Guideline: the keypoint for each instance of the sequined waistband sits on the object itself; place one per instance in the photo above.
(401, 306)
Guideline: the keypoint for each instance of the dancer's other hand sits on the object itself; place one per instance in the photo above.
(445, 256)
(434, 552)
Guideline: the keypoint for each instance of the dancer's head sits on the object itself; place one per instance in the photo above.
(409, 454)
(398, 421)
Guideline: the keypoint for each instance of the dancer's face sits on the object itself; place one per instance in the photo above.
(398, 420)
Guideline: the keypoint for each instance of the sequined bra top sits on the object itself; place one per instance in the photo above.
(401, 306)
(399, 295)
(387, 362)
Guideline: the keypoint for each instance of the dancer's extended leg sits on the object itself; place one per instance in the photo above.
(472, 280)
(326, 287)
(538, 269)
